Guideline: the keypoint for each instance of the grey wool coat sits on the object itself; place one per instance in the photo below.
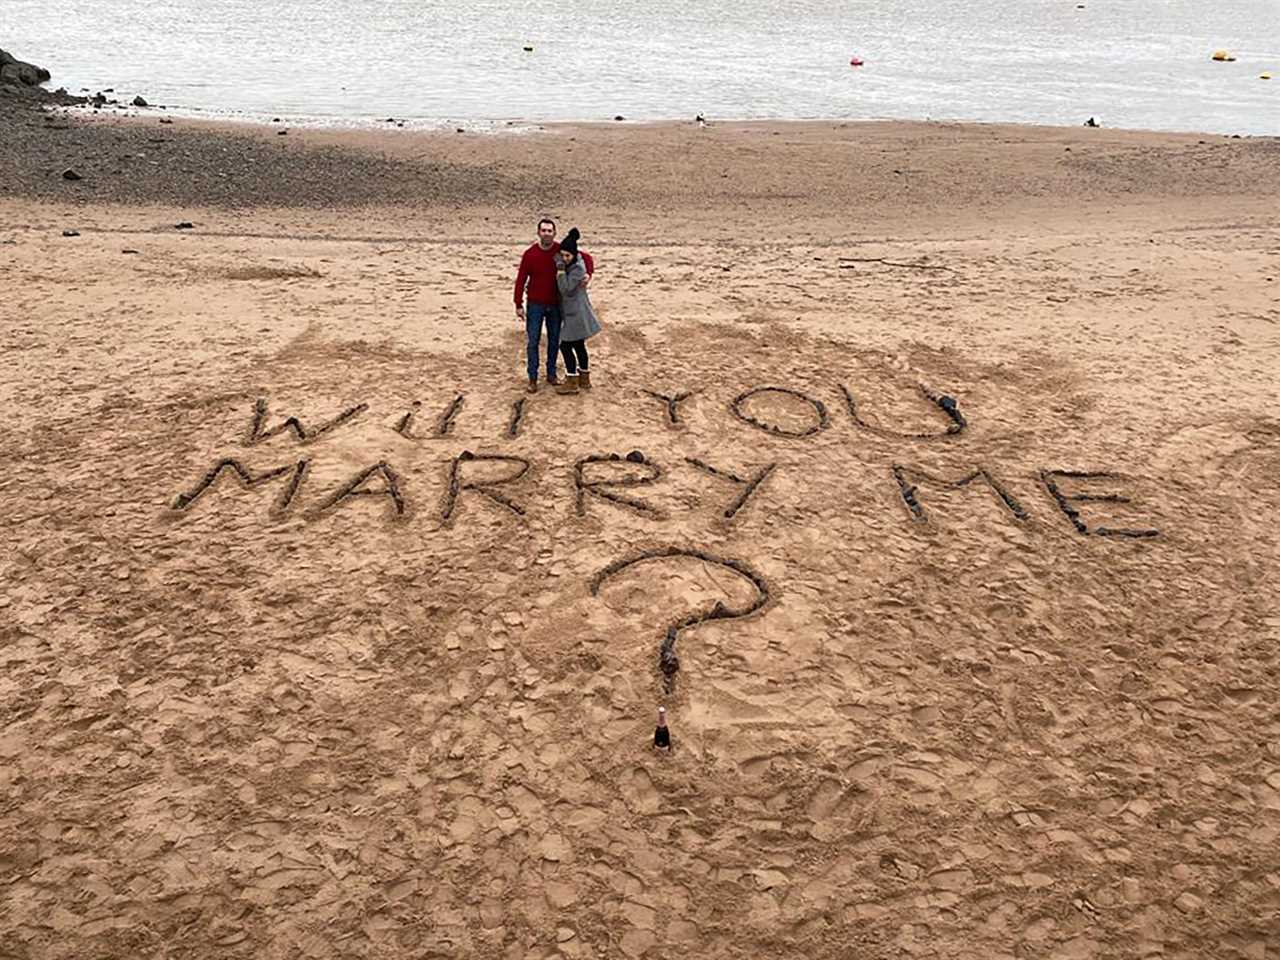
(577, 320)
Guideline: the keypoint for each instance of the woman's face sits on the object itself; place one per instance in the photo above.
(566, 256)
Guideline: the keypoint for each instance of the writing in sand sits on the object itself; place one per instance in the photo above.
(632, 481)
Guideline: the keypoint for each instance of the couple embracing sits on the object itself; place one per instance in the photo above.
(557, 276)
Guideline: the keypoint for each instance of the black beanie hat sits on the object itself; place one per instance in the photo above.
(570, 242)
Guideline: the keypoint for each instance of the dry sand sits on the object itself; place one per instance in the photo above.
(248, 730)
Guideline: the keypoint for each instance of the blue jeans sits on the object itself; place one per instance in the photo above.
(534, 315)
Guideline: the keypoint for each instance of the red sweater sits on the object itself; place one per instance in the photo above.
(538, 269)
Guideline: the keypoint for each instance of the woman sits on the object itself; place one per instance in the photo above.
(577, 320)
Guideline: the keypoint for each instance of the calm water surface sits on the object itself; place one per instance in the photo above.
(1131, 63)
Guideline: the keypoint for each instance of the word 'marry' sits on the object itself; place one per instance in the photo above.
(605, 476)
(382, 480)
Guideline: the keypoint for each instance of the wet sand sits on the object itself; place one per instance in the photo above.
(373, 697)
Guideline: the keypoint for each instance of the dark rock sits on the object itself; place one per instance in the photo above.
(23, 74)
(98, 100)
(139, 102)
(20, 73)
(619, 117)
(635, 456)
(1091, 122)
(184, 225)
(283, 133)
(165, 120)
(69, 174)
(128, 250)
(459, 130)
(109, 90)
(71, 233)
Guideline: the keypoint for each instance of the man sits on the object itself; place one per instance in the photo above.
(538, 272)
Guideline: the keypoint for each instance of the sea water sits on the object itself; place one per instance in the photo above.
(1129, 63)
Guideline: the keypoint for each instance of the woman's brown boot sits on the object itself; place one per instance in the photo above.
(570, 384)
(584, 378)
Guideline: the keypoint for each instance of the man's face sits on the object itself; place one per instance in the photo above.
(546, 234)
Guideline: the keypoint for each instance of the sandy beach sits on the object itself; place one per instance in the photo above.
(974, 463)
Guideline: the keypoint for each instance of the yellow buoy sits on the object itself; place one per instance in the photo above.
(1222, 56)
(1264, 76)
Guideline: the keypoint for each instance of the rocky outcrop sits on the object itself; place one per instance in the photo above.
(18, 73)
(22, 81)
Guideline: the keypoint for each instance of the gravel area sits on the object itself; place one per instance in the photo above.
(143, 160)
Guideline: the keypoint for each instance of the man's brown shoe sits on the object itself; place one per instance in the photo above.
(533, 386)
(552, 380)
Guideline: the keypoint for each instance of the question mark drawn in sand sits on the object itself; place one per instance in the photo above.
(668, 662)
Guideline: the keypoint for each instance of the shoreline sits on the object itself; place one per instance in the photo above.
(523, 125)
(90, 103)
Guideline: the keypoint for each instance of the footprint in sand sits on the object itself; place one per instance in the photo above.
(867, 768)
(925, 715)
(756, 766)
(586, 818)
(825, 799)
(768, 879)
(640, 792)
